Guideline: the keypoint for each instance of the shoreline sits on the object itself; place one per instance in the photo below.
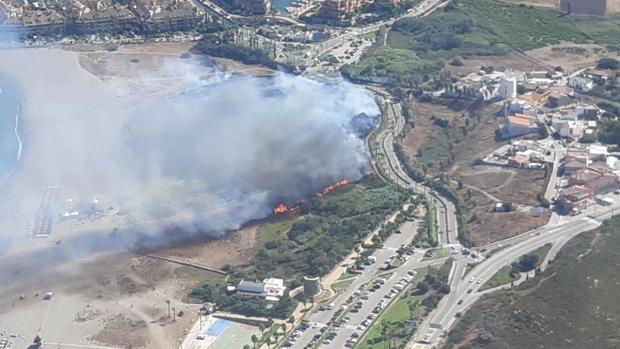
(17, 130)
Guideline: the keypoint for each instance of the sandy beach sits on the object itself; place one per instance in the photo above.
(103, 294)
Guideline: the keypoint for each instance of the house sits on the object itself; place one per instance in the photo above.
(568, 128)
(519, 160)
(573, 199)
(251, 288)
(587, 112)
(556, 100)
(271, 289)
(573, 164)
(519, 125)
(581, 84)
(508, 87)
(596, 74)
(597, 179)
(274, 287)
(597, 152)
(584, 176)
(604, 184)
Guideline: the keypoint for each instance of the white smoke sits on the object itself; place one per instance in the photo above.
(206, 160)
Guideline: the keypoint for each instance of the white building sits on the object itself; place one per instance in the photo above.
(568, 128)
(274, 288)
(581, 84)
(519, 125)
(508, 87)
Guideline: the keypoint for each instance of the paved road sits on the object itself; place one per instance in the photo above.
(394, 122)
(323, 317)
(352, 326)
(467, 292)
(422, 9)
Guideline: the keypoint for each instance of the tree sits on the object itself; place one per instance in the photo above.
(526, 263)
(254, 340)
(457, 61)
(608, 63)
(247, 346)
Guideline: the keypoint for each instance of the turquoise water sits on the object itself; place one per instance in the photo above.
(9, 144)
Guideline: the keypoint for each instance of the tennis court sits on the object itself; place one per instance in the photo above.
(233, 335)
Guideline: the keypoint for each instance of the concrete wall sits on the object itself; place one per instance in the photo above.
(613, 6)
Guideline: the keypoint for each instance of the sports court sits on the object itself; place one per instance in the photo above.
(226, 334)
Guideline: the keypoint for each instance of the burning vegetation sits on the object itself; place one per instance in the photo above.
(282, 208)
(332, 187)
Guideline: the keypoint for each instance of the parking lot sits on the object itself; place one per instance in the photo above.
(318, 321)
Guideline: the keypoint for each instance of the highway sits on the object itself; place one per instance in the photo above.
(462, 290)
(467, 292)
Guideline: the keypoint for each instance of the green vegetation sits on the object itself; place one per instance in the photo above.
(215, 292)
(417, 47)
(216, 46)
(346, 275)
(609, 131)
(427, 233)
(330, 228)
(273, 230)
(502, 277)
(573, 304)
(608, 63)
(398, 322)
(526, 263)
(380, 10)
(342, 285)
(266, 337)
(394, 65)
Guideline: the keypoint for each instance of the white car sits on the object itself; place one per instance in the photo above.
(471, 279)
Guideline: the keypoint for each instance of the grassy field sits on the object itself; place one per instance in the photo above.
(274, 230)
(504, 275)
(416, 48)
(409, 306)
(342, 285)
(573, 304)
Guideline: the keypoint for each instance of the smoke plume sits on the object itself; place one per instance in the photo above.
(222, 151)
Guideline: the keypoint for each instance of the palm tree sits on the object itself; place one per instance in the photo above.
(262, 328)
(276, 335)
(284, 327)
(254, 340)
(247, 346)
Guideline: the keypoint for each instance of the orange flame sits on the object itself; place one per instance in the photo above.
(330, 188)
(280, 209)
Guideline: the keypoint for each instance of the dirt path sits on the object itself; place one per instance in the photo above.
(482, 192)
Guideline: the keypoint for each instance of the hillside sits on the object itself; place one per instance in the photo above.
(572, 305)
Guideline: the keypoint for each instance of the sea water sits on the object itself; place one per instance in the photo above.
(10, 138)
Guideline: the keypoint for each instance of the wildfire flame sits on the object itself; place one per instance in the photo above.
(330, 188)
(280, 209)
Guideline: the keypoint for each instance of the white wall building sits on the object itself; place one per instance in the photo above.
(274, 287)
(581, 84)
(508, 87)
